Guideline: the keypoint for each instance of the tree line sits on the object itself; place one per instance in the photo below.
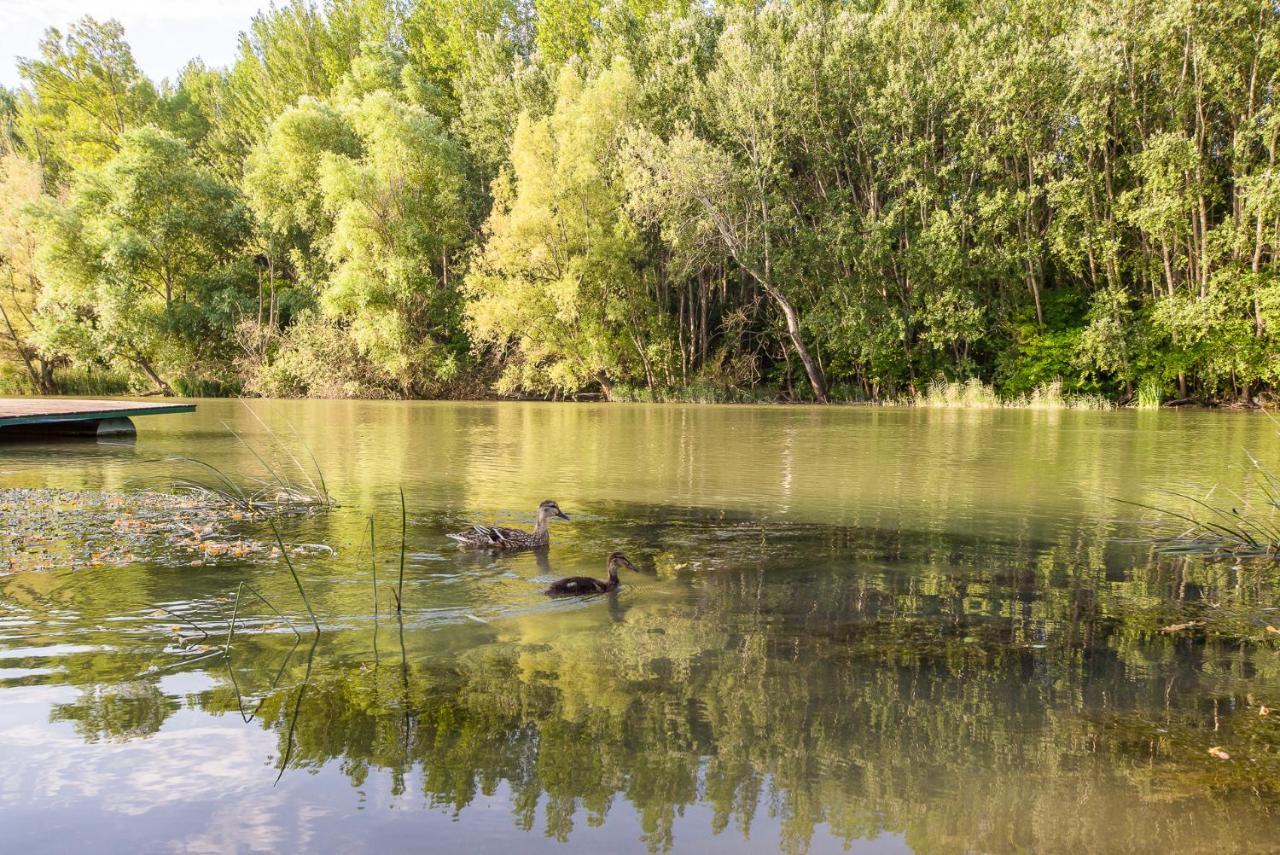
(654, 199)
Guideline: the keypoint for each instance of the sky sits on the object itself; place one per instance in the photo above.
(164, 34)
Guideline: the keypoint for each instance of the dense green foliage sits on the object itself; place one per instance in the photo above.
(829, 200)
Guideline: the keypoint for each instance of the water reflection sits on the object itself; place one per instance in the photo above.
(800, 670)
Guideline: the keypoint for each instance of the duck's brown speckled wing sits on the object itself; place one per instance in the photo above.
(492, 536)
(501, 536)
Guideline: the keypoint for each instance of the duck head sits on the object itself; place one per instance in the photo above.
(549, 509)
(616, 560)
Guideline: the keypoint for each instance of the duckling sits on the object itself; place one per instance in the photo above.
(579, 585)
(498, 537)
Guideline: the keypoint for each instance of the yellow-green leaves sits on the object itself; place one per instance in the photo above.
(555, 287)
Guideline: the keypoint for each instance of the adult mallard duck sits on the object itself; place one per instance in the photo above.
(499, 537)
(578, 585)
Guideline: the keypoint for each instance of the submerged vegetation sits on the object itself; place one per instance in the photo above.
(43, 529)
(929, 201)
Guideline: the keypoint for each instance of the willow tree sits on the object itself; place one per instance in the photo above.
(142, 267)
(85, 91)
(555, 288)
(369, 200)
(21, 187)
(401, 217)
(282, 183)
(731, 182)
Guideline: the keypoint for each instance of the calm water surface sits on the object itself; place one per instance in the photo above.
(879, 629)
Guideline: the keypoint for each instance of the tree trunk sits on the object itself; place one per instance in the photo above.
(164, 387)
(605, 386)
(814, 371)
(732, 243)
(22, 351)
(48, 386)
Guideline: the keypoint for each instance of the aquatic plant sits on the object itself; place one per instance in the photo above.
(294, 573)
(279, 492)
(404, 525)
(47, 528)
(1225, 530)
(235, 612)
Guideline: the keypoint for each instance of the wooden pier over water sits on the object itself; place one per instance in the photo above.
(27, 417)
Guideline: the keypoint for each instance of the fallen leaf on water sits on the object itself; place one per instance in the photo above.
(1179, 627)
(1264, 710)
(1217, 751)
(1271, 628)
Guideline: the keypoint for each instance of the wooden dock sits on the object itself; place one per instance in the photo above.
(76, 416)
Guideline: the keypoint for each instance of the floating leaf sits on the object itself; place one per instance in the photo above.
(1217, 751)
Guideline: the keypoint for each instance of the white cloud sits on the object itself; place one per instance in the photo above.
(164, 35)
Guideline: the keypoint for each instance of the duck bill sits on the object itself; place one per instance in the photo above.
(627, 563)
(562, 515)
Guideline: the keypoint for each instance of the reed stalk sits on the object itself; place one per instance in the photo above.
(373, 565)
(404, 527)
(294, 573)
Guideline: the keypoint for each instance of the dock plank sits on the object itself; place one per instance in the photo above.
(35, 411)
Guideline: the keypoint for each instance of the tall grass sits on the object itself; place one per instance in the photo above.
(288, 487)
(973, 394)
(1236, 529)
(88, 382)
(1150, 394)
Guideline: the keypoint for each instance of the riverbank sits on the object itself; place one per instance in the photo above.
(971, 394)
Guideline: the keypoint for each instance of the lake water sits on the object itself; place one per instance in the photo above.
(886, 629)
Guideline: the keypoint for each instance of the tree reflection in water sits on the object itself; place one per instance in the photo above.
(968, 693)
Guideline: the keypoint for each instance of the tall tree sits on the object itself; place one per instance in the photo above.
(20, 187)
(555, 289)
(142, 267)
(85, 92)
